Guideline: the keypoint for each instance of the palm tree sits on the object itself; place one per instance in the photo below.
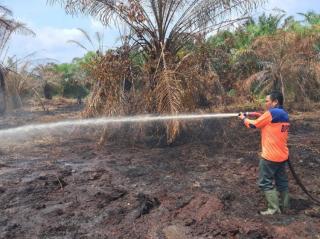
(96, 43)
(311, 18)
(8, 26)
(294, 72)
(164, 23)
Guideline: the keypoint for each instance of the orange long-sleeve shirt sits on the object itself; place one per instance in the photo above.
(274, 125)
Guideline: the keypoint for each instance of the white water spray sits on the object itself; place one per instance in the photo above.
(38, 128)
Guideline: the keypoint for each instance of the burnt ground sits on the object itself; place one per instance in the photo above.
(202, 187)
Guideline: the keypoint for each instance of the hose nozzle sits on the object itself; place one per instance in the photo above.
(251, 114)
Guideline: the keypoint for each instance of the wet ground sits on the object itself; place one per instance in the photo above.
(202, 187)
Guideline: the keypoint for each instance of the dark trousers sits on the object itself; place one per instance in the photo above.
(271, 173)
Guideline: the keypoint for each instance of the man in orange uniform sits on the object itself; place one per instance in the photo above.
(274, 126)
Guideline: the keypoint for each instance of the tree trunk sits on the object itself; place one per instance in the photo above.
(3, 101)
(47, 91)
(16, 99)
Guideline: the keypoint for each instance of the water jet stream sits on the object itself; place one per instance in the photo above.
(105, 121)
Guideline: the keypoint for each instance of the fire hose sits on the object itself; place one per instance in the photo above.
(292, 170)
(300, 184)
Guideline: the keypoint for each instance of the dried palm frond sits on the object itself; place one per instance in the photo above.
(109, 73)
(19, 82)
(200, 83)
(168, 96)
(258, 81)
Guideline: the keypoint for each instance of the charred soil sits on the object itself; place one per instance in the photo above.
(204, 186)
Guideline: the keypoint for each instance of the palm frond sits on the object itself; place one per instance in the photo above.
(78, 44)
(257, 80)
(86, 35)
(21, 28)
(99, 41)
(168, 96)
(171, 17)
(5, 11)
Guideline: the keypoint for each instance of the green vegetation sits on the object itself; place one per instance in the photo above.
(271, 52)
(73, 77)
